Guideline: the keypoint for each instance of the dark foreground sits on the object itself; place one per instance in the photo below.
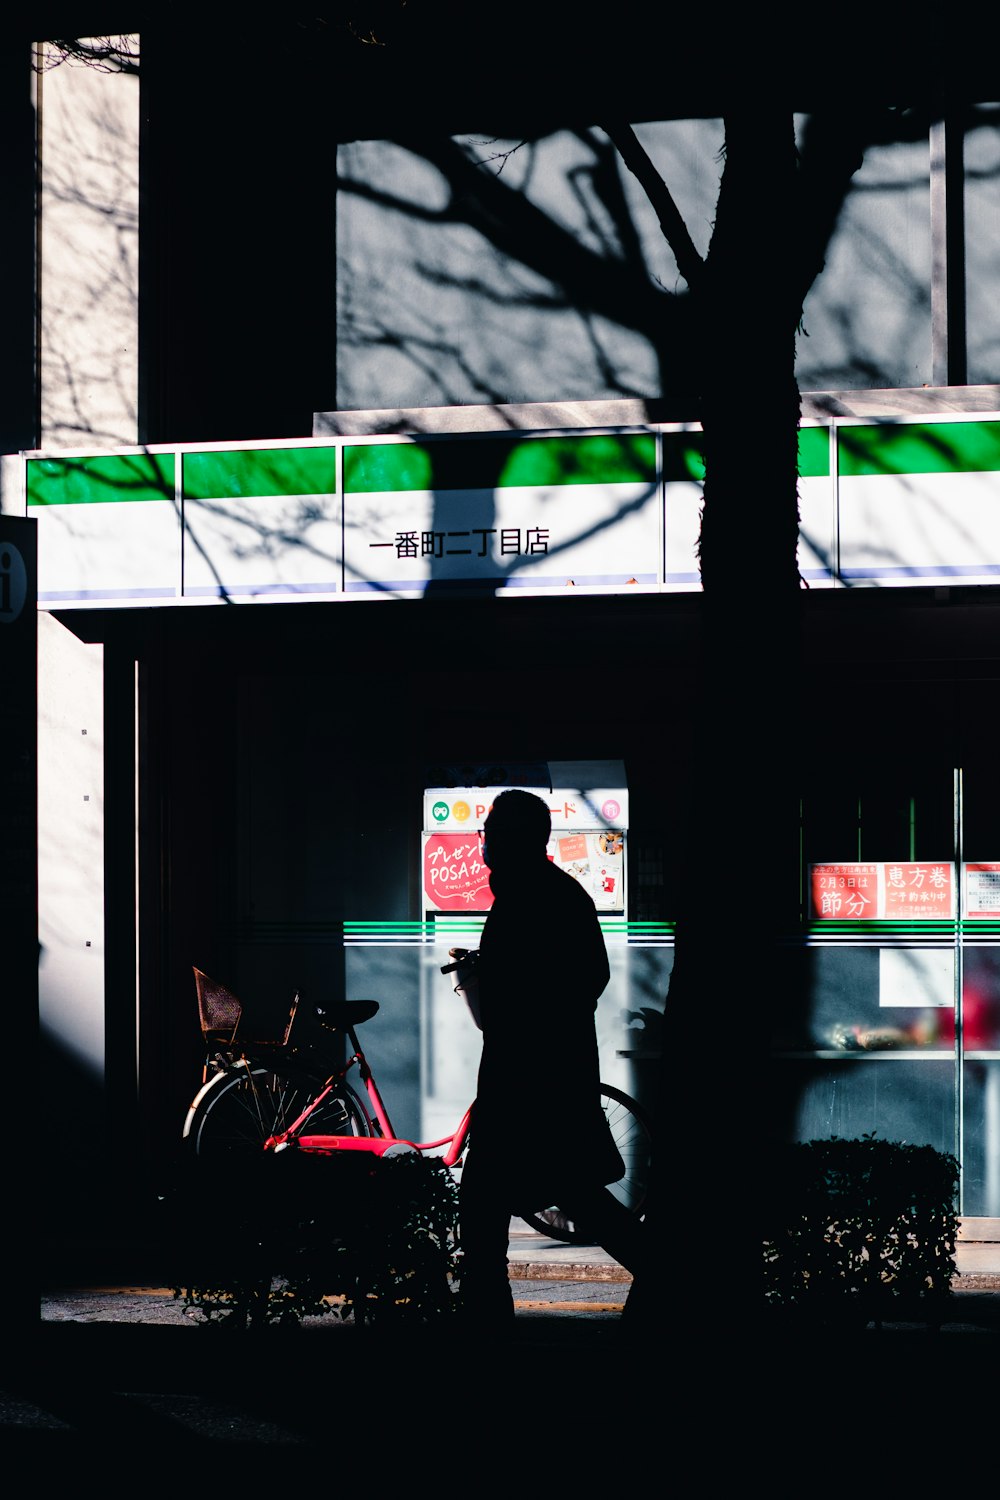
(574, 1397)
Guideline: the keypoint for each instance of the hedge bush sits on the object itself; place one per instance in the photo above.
(862, 1230)
(300, 1235)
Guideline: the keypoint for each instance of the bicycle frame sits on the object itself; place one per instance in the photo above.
(377, 1145)
(318, 1064)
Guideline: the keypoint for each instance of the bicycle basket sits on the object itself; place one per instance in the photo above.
(218, 1008)
(222, 1014)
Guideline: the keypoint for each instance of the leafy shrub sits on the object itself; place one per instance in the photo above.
(860, 1228)
(302, 1235)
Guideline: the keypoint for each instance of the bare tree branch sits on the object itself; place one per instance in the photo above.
(635, 157)
(515, 226)
(106, 54)
(832, 150)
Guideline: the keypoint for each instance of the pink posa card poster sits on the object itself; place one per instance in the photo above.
(456, 877)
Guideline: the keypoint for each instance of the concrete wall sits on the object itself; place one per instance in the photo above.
(88, 125)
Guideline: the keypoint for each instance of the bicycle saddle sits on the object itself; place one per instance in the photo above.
(345, 1012)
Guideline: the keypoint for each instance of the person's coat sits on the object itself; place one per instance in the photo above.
(542, 968)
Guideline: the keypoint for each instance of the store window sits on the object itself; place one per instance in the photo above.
(895, 1026)
(866, 1041)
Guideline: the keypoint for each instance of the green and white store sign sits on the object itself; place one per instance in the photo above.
(881, 503)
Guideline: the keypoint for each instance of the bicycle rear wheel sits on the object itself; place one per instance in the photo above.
(235, 1115)
(633, 1135)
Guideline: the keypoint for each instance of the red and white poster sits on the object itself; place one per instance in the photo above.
(919, 891)
(456, 878)
(982, 891)
(844, 892)
(597, 861)
(896, 891)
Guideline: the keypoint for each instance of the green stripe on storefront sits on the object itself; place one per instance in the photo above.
(814, 452)
(684, 455)
(477, 463)
(116, 478)
(886, 928)
(488, 463)
(447, 923)
(260, 472)
(919, 448)
(970, 926)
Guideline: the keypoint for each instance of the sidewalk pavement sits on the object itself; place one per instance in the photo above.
(545, 1275)
(108, 1375)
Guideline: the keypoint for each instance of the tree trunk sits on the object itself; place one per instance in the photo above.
(739, 863)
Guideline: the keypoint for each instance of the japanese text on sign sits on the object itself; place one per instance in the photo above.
(456, 877)
(844, 891)
(469, 543)
(982, 890)
(918, 891)
(902, 890)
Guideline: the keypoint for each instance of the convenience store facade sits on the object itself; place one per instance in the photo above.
(439, 616)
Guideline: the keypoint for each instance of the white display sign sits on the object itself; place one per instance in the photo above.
(464, 809)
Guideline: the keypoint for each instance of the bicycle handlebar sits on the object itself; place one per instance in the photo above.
(469, 961)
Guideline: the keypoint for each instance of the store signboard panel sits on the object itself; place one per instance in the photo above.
(108, 528)
(538, 513)
(919, 502)
(817, 555)
(459, 809)
(905, 502)
(683, 477)
(262, 523)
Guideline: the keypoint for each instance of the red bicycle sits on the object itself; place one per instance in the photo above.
(295, 1092)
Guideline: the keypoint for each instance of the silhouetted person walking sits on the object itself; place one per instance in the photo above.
(542, 966)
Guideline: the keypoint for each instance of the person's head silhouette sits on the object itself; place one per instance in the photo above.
(516, 830)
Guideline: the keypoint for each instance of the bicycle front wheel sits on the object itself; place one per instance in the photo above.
(235, 1115)
(632, 1134)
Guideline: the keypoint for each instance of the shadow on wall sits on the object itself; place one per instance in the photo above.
(77, 1163)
